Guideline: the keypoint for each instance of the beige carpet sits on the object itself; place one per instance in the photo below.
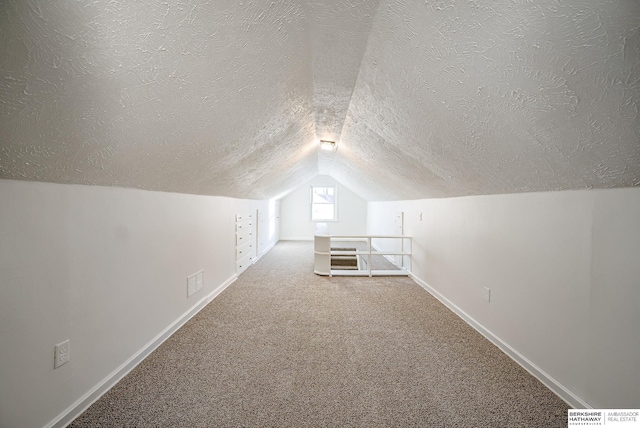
(282, 347)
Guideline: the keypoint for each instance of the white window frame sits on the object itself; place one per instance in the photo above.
(335, 202)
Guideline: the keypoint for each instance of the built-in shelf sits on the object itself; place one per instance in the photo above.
(245, 241)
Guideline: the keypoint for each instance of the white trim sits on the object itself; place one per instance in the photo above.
(336, 217)
(556, 387)
(298, 238)
(269, 248)
(73, 411)
(362, 238)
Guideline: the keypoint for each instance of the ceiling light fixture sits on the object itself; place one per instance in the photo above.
(327, 145)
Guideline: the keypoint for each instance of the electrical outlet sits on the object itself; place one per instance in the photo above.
(62, 354)
(487, 294)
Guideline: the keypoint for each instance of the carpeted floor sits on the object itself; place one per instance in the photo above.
(282, 347)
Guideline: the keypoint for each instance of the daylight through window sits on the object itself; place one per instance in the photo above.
(323, 203)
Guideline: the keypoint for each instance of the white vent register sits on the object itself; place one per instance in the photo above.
(195, 283)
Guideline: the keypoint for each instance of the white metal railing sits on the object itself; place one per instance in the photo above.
(323, 253)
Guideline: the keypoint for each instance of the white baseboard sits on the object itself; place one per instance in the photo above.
(556, 387)
(269, 248)
(73, 411)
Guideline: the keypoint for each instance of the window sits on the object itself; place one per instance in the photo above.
(323, 203)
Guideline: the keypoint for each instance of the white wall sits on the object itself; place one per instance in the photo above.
(295, 209)
(105, 268)
(268, 221)
(564, 274)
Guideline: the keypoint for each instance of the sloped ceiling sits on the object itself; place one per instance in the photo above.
(467, 98)
(425, 99)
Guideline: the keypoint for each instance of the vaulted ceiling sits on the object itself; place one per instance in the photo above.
(425, 99)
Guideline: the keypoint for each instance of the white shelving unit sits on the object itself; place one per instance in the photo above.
(323, 253)
(245, 241)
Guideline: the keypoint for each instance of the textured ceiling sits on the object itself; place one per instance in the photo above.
(425, 99)
(466, 98)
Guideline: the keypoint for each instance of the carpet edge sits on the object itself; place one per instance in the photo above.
(556, 387)
(83, 403)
